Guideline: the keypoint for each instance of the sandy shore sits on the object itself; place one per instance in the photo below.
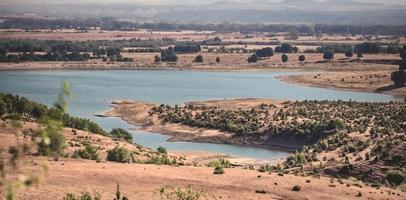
(362, 81)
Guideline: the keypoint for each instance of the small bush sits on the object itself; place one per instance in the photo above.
(90, 153)
(162, 150)
(221, 162)
(119, 154)
(296, 188)
(83, 196)
(122, 134)
(199, 59)
(396, 178)
(260, 191)
(186, 193)
(219, 170)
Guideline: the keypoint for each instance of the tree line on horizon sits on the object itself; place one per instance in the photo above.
(114, 24)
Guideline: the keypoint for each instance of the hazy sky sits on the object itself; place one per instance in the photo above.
(173, 1)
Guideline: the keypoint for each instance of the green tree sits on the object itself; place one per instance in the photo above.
(119, 154)
(398, 78)
(349, 54)
(198, 59)
(169, 55)
(157, 59)
(329, 55)
(302, 58)
(122, 134)
(285, 58)
(264, 52)
(253, 59)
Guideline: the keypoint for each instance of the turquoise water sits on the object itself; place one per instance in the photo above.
(94, 90)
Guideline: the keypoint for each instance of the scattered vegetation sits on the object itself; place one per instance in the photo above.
(120, 154)
(182, 193)
(218, 170)
(296, 188)
(89, 152)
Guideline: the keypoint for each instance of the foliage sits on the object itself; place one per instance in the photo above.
(83, 196)
(396, 178)
(121, 134)
(157, 59)
(368, 47)
(52, 142)
(89, 152)
(284, 58)
(182, 193)
(218, 170)
(199, 59)
(337, 48)
(221, 162)
(162, 150)
(399, 78)
(120, 154)
(14, 105)
(349, 54)
(111, 24)
(160, 160)
(253, 59)
(296, 188)
(169, 55)
(302, 58)
(187, 48)
(286, 48)
(118, 194)
(329, 55)
(264, 52)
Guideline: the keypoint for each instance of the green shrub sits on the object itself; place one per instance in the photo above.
(162, 150)
(121, 134)
(160, 160)
(296, 188)
(83, 196)
(120, 154)
(221, 162)
(260, 191)
(396, 178)
(219, 170)
(178, 193)
(89, 152)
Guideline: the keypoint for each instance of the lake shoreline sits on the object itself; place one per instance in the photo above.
(136, 113)
(302, 78)
(306, 80)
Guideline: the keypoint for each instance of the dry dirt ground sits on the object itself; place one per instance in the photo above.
(186, 35)
(139, 181)
(142, 181)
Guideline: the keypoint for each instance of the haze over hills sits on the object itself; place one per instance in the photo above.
(235, 11)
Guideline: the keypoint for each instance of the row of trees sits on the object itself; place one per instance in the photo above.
(111, 24)
(399, 77)
(16, 107)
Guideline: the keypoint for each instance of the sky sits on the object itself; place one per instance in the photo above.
(173, 1)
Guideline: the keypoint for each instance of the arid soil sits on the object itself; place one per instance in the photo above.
(142, 181)
(139, 181)
(363, 81)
